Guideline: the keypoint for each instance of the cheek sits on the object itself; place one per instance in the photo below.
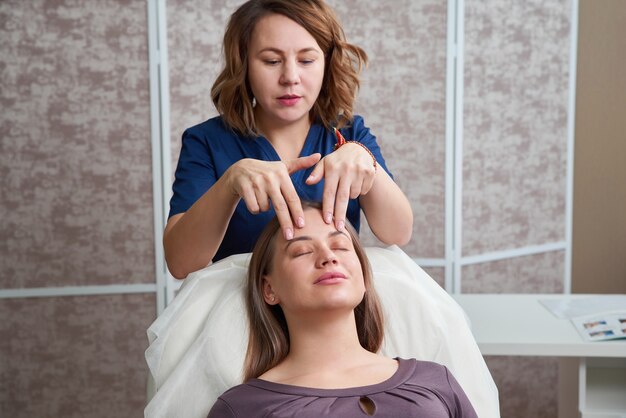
(319, 78)
(284, 277)
(355, 268)
(255, 79)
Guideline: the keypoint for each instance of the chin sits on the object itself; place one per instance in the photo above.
(348, 304)
(288, 119)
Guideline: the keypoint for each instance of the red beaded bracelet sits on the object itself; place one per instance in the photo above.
(342, 141)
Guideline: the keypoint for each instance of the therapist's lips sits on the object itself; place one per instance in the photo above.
(332, 277)
(289, 99)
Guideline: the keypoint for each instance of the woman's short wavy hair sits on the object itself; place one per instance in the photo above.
(231, 92)
(268, 339)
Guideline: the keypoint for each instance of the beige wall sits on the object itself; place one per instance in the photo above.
(514, 169)
(599, 230)
(75, 205)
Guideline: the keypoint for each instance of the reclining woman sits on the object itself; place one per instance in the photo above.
(315, 328)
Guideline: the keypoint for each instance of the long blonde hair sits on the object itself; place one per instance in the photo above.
(231, 92)
(268, 342)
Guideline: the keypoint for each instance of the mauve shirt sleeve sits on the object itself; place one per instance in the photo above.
(462, 407)
(221, 410)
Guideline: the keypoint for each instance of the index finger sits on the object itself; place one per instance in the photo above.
(293, 203)
(283, 202)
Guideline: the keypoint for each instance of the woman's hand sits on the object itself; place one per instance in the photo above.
(348, 173)
(260, 182)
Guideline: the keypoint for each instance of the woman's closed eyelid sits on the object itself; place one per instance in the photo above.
(297, 252)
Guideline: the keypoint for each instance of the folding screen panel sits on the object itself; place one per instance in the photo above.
(76, 204)
(514, 184)
(515, 138)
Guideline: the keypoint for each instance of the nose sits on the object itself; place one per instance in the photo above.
(327, 257)
(290, 74)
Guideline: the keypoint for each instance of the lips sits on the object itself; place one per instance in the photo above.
(289, 99)
(331, 277)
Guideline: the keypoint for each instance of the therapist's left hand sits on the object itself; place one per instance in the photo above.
(348, 173)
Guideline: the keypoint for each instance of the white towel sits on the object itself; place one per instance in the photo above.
(198, 344)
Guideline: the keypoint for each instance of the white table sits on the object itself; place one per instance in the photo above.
(519, 325)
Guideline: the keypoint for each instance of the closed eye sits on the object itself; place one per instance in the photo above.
(299, 252)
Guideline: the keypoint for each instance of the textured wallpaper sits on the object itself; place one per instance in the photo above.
(407, 47)
(75, 159)
(74, 357)
(514, 168)
(528, 385)
(75, 171)
(539, 273)
(515, 123)
(195, 29)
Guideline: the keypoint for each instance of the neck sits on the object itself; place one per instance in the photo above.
(286, 138)
(324, 341)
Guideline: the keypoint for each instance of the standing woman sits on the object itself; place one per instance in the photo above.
(289, 79)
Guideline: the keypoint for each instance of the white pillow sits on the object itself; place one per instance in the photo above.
(198, 344)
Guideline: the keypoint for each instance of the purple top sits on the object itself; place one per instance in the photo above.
(417, 389)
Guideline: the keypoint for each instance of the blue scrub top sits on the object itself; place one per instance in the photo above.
(210, 148)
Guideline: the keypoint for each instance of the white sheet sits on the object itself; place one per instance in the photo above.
(197, 345)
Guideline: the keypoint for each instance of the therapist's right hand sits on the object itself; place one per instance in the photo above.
(260, 182)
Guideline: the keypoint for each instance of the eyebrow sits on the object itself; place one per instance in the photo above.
(278, 51)
(308, 238)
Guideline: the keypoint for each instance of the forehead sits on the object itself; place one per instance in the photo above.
(278, 31)
(314, 224)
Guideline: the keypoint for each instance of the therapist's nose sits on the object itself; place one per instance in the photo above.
(290, 73)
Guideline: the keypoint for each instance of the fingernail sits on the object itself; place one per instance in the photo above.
(288, 234)
(300, 222)
(311, 178)
(328, 217)
(340, 225)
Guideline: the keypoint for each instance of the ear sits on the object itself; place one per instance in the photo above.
(268, 293)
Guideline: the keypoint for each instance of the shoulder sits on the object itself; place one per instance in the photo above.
(438, 379)
(356, 130)
(357, 124)
(211, 127)
(358, 120)
(226, 403)
(244, 399)
(214, 136)
(428, 371)
(221, 409)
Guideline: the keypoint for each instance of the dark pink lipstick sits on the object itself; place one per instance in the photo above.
(289, 99)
